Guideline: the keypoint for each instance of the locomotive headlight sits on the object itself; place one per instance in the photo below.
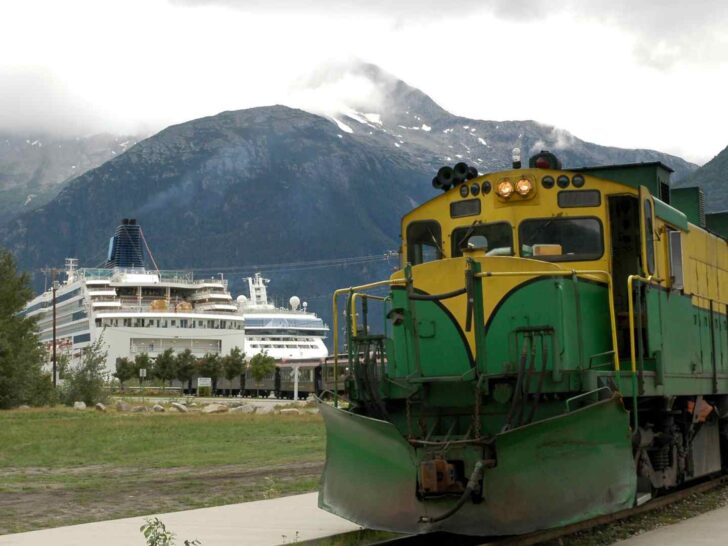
(504, 189)
(524, 187)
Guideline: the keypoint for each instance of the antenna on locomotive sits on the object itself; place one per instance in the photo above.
(516, 158)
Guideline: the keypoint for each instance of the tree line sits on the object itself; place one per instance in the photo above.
(185, 367)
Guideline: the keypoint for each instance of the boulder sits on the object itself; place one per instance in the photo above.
(215, 408)
(179, 407)
(100, 407)
(312, 411)
(122, 406)
(24, 406)
(264, 410)
(243, 409)
(157, 408)
(139, 409)
(290, 411)
(79, 405)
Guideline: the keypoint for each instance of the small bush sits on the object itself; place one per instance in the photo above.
(87, 381)
(156, 534)
(204, 391)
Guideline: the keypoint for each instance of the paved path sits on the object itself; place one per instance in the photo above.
(259, 523)
(709, 529)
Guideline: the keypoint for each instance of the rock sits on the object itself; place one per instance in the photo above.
(24, 406)
(243, 409)
(79, 405)
(290, 411)
(215, 408)
(264, 410)
(193, 404)
(157, 408)
(139, 409)
(122, 406)
(312, 411)
(236, 404)
(100, 407)
(179, 407)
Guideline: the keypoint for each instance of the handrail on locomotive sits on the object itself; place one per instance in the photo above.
(358, 292)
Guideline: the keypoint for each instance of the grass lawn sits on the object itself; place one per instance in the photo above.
(60, 466)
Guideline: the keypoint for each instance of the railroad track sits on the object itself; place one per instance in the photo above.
(539, 537)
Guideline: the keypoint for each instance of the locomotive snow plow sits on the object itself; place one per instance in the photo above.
(547, 474)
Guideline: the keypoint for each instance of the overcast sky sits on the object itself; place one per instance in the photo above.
(630, 73)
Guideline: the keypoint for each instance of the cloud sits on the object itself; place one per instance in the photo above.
(665, 32)
(34, 100)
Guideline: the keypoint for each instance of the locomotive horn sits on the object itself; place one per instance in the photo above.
(472, 173)
(444, 178)
(438, 186)
(461, 172)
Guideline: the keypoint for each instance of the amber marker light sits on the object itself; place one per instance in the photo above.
(524, 187)
(504, 189)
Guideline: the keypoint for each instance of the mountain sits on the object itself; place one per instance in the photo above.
(713, 178)
(34, 168)
(276, 185)
(408, 119)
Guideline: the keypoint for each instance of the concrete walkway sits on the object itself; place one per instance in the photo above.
(261, 523)
(709, 529)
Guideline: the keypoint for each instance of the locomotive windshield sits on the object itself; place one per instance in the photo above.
(496, 239)
(561, 239)
(424, 242)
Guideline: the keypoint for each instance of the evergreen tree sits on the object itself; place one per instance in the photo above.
(210, 366)
(165, 367)
(142, 361)
(261, 365)
(234, 366)
(22, 378)
(186, 368)
(125, 370)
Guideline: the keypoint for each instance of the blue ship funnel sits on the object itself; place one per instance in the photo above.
(126, 248)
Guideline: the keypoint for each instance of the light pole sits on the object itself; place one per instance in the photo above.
(54, 288)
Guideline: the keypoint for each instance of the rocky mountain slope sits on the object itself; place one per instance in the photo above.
(34, 168)
(713, 178)
(409, 120)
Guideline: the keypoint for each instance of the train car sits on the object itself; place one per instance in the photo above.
(315, 376)
(556, 349)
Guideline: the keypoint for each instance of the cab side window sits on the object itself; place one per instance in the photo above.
(649, 238)
(424, 242)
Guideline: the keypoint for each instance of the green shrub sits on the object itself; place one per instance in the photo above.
(86, 381)
(204, 391)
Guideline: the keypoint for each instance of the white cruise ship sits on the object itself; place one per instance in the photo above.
(135, 309)
(287, 334)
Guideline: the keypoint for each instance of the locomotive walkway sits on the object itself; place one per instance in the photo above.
(285, 520)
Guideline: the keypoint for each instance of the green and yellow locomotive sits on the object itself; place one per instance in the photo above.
(555, 348)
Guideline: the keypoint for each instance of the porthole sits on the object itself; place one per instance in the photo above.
(547, 182)
(486, 187)
(474, 189)
(562, 181)
(464, 190)
(577, 180)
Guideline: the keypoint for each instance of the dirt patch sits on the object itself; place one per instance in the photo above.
(35, 498)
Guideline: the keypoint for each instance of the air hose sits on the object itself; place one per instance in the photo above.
(475, 477)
